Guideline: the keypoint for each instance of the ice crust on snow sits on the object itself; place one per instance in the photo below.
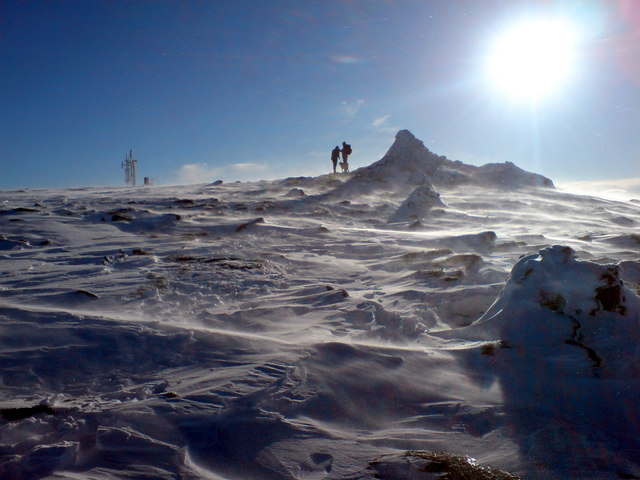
(285, 329)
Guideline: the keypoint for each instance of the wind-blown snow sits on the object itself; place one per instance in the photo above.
(417, 205)
(344, 326)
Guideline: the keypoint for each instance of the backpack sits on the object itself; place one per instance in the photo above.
(347, 149)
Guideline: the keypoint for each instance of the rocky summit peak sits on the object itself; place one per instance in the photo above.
(409, 164)
(406, 137)
(409, 153)
(406, 141)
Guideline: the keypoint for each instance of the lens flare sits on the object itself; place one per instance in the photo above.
(532, 59)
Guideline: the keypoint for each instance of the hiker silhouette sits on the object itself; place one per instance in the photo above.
(335, 156)
(346, 151)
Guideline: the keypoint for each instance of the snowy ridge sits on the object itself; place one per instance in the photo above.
(408, 163)
(286, 330)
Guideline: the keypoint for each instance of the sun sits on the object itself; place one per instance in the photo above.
(533, 58)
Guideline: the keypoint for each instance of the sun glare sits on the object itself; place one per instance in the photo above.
(532, 59)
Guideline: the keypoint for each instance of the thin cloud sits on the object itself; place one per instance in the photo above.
(203, 172)
(382, 124)
(346, 59)
(622, 189)
(195, 173)
(249, 166)
(350, 108)
(380, 121)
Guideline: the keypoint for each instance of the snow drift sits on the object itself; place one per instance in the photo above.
(285, 330)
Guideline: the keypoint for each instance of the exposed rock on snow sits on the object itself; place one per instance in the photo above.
(429, 465)
(20, 413)
(568, 294)
(417, 205)
(296, 193)
(574, 326)
(135, 220)
(247, 225)
(10, 244)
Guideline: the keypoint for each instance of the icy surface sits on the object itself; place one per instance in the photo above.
(291, 330)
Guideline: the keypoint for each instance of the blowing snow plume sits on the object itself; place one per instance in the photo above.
(417, 205)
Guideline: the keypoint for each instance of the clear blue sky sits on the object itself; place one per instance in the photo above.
(265, 89)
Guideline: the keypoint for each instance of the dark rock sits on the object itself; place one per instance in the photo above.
(610, 296)
(248, 224)
(421, 463)
(15, 414)
(87, 293)
(118, 217)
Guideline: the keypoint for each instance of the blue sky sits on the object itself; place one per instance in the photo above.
(241, 90)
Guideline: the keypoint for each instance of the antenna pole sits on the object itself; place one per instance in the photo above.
(129, 166)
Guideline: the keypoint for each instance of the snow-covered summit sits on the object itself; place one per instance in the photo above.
(409, 163)
(408, 154)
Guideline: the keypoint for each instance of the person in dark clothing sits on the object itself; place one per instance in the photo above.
(346, 151)
(335, 156)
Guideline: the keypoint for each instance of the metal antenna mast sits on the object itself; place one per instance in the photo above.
(129, 166)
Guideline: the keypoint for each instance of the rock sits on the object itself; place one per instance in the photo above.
(15, 414)
(251, 223)
(296, 193)
(428, 465)
(417, 205)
